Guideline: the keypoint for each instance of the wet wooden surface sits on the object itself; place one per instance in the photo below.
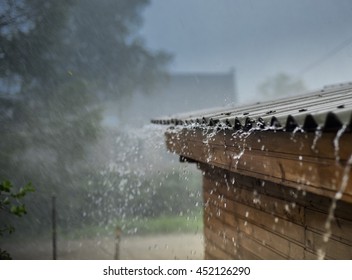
(309, 161)
(245, 218)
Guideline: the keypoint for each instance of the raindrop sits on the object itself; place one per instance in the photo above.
(287, 208)
(321, 254)
(337, 140)
(338, 195)
(326, 236)
(318, 134)
(256, 200)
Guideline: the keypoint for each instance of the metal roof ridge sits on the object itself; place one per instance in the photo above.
(328, 109)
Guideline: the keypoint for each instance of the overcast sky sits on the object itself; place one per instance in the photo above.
(308, 39)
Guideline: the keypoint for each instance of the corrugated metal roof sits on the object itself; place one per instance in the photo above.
(328, 109)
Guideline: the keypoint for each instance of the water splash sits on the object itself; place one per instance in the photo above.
(242, 137)
(337, 141)
(338, 195)
(294, 132)
(318, 134)
(138, 169)
(238, 156)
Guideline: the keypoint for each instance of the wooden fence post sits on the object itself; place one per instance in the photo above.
(118, 234)
(54, 227)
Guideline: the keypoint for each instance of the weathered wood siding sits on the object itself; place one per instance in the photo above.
(249, 218)
(302, 160)
(268, 194)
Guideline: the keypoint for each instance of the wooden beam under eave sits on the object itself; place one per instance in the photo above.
(305, 161)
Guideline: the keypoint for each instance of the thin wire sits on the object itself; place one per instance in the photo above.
(328, 55)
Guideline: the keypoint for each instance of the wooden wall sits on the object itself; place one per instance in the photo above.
(301, 160)
(248, 218)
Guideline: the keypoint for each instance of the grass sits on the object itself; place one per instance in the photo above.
(193, 223)
(190, 223)
(163, 224)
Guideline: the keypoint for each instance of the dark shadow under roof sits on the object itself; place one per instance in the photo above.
(329, 109)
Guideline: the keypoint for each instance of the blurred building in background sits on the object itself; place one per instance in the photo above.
(181, 92)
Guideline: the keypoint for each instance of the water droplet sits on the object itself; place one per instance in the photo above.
(287, 208)
(338, 195)
(326, 236)
(337, 140)
(321, 254)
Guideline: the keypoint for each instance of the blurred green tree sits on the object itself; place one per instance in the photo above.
(59, 60)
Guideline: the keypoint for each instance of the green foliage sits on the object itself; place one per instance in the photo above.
(60, 61)
(4, 255)
(63, 58)
(101, 45)
(10, 202)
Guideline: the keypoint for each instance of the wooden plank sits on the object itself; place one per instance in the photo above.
(331, 249)
(267, 221)
(308, 255)
(304, 144)
(239, 181)
(258, 249)
(325, 175)
(216, 224)
(244, 254)
(230, 212)
(219, 225)
(215, 252)
(323, 204)
(276, 191)
(272, 241)
(281, 208)
(313, 174)
(294, 164)
(226, 217)
(221, 242)
(341, 229)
